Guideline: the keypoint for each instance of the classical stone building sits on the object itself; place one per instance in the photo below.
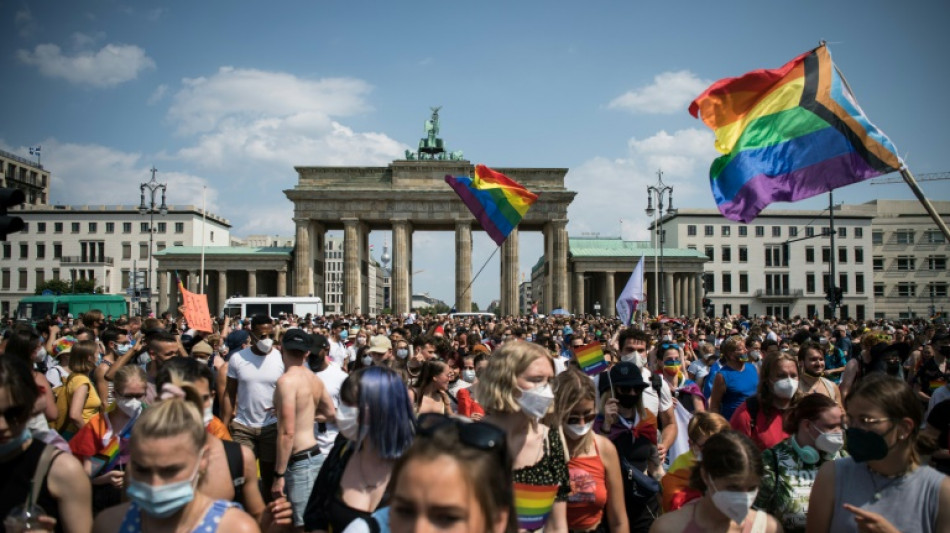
(20, 173)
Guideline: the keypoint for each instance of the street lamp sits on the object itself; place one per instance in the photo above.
(659, 191)
(150, 209)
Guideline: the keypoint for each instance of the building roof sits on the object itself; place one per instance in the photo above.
(95, 210)
(225, 250)
(617, 247)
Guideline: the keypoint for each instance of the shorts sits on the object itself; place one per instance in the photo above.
(262, 441)
(298, 483)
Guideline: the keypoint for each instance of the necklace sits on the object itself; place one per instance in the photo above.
(894, 479)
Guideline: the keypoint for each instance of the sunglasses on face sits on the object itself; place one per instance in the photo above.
(16, 414)
(577, 419)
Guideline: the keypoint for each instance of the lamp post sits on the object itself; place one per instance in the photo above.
(150, 209)
(660, 191)
(597, 308)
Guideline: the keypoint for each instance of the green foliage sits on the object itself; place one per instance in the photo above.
(61, 286)
(475, 308)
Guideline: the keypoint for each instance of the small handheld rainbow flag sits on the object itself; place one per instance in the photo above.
(591, 358)
(105, 460)
(533, 504)
(497, 201)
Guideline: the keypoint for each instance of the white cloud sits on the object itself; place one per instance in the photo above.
(83, 41)
(611, 195)
(158, 94)
(671, 92)
(109, 66)
(24, 22)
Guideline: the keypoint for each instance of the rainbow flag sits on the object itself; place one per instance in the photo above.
(788, 134)
(497, 201)
(533, 504)
(591, 358)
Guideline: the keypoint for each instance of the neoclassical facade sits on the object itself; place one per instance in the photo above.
(412, 195)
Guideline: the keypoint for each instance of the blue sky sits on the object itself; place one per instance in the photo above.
(232, 95)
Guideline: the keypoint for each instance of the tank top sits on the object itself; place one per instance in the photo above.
(585, 504)
(756, 523)
(740, 384)
(538, 486)
(132, 523)
(15, 482)
(858, 485)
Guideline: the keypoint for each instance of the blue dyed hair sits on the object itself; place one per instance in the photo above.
(386, 415)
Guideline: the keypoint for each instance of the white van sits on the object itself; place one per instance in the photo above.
(273, 306)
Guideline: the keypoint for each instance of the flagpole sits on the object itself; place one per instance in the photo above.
(455, 305)
(912, 183)
(204, 215)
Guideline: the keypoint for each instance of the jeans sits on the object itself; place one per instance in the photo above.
(299, 483)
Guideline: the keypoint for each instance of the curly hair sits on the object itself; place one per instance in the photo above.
(499, 380)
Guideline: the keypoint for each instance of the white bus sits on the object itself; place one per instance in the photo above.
(273, 306)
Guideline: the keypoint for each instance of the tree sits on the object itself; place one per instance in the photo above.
(61, 286)
(475, 308)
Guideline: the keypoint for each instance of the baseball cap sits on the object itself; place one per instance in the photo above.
(380, 344)
(297, 340)
(236, 339)
(203, 348)
(318, 343)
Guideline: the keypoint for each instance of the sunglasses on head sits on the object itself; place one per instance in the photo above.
(478, 435)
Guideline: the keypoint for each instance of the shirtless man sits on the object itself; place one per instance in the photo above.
(299, 396)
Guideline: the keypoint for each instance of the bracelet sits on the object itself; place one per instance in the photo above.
(279, 474)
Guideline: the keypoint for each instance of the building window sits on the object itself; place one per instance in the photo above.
(711, 253)
(93, 227)
(691, 230)
(162, 226)
(55, 273)
(905, 236)
(709, 282)
(811, 310)
(878, 264)
(877, 236)
(726, 231)
(75, 227)
(809, 231)
(41, 227)
(743, 254)
(40, 276)
(7, 251)
(938, 290)
(810, 283)
(24, 281)
(126, 273)
(5, 282)
(905, 262)
(843, 282)
(726, 282)
(760, 231)
(179, 227)
(126, 227)
(41, 250)
(842, 255)
(691, 247)
(936, 262)
(110, 227)
(126, 250)
(793, 231)
(859, 255)
(776, 231)
(743, 231)
(24, 250)
(858, 233)
(709, 231)
(664, 236)
(179, 243)
(57, 250)
(826, 231)
(160, 245)
(143, 250)
(878, 290)
(744, 310)
(906, 289)
(743, 282)
(825, 254)
(809, 254)
(934, 236)
(143, 227)
(726, 254)
(843, 232)
(57, 227)
(859, 283)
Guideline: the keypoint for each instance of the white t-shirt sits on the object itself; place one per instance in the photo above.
(257, 377)
(337, 352)
(332, 377)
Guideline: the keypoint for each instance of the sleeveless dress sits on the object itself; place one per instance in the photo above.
(538, 486)
(585, 504)
(132, 523)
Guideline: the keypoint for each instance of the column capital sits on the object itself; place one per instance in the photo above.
(300, 221)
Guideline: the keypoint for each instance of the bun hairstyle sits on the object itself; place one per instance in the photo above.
(178, 412)
(727, 453)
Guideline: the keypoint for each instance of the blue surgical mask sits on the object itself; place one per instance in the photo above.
(123, 349)
(15, 442)
(344, 334)
(165, 500)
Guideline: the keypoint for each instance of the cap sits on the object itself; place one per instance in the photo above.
(882, 349)
(380, 344)
(297, 340)
(318, 343)
(338, 324)
(236, 339)
(202, 348)
(623, 374)
(567, 330)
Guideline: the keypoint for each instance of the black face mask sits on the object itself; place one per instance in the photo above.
(864, 445)
(945, 351)
(627, 401)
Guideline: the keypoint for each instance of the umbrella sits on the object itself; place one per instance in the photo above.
(561, 312)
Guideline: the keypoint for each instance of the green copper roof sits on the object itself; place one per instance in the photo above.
(589, 247)
(226, 250)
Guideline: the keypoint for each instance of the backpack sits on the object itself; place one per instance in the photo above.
(232, 452)
(62, 405)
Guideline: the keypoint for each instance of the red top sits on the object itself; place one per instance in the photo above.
(768, 428)
(467, 404)
(585, 504)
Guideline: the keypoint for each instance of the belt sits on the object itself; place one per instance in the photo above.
(304, 455)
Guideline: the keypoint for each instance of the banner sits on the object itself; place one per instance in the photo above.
(195, 308)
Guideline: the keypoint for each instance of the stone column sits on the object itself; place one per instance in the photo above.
(509, 274)
(282, 282)
(303, 259)
(318, 261)
(252, 283)
(608, 307)
(559, 282)
(691, 286)
(351, 265)
(463, 266)
(680, 294)
(668, 293)
(172, 304)
(163, 292)
(547, 291)
(698, 294)
(402, 250)
(578, 307)
(222, 289)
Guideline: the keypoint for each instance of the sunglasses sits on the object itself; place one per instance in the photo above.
(478, 435)
(16, 414)
(581, 419)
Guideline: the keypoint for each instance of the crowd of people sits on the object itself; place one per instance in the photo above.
(514, 424)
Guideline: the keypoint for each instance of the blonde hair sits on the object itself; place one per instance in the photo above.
(173, 416)
(573, 386)
(499, 380)
(127, 374)
(705, 424)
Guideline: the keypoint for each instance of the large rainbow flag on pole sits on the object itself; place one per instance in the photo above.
(788, 134)
(497, 201)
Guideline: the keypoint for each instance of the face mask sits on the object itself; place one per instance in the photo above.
(41, 355)
(578, 430)
(671, 367)
(360, 341)
(402, 353)
(123, 349)
(830, 442)
(864, 445)
(755, 355)
(15, 442)
(367, 360)
(344, 335)
(744, 358)
(785, 388)
(130, 406)
(347, 421)
(165, 500)
(627, 401)
(468, 375)
(734, 504)
(265, 344)
(208, 415)
(530, 338)
(535, 402)
(667, 337)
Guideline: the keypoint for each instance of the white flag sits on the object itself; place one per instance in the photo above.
(632, 294)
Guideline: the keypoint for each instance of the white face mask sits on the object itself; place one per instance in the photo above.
(347, 421)
(785, 388)
(130, 406)
(829, 443)
(40, 355)
(734, 504)
(578, 430)
(208, 415)
(264, 345)
(468, 375)
(536, 402)
(367, 360)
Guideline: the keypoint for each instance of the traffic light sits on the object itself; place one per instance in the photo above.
(8, 224)
(839, 295)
